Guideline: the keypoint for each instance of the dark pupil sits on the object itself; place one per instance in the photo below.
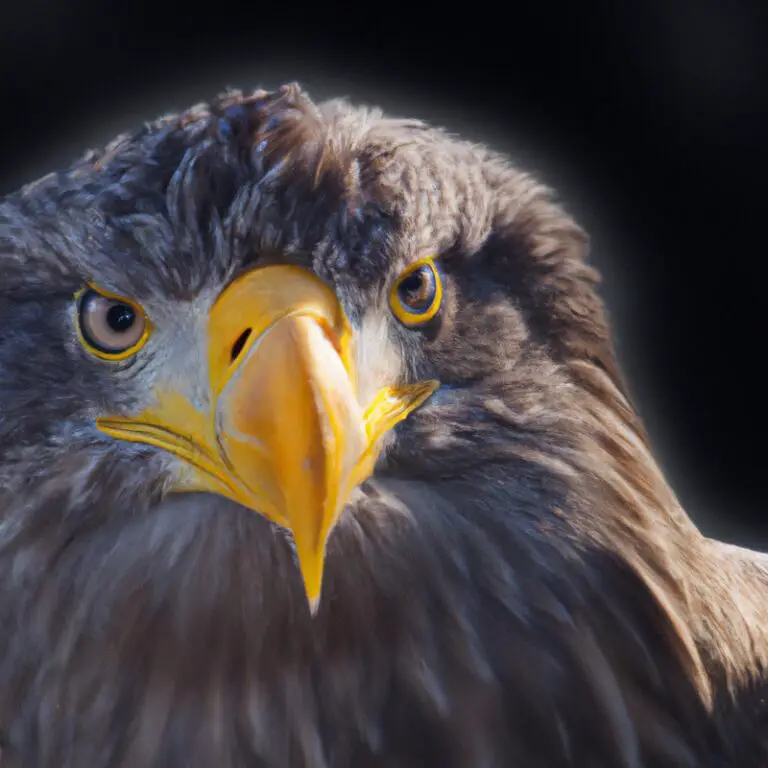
(415, 289)
(120, 318)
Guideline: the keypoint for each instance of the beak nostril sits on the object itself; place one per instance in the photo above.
(237, 347)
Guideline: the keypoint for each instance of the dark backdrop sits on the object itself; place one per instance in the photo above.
(648, 116)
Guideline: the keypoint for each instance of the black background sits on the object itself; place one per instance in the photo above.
(647, 115)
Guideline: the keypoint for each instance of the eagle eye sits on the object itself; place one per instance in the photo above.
(110, 327)
(417, 295)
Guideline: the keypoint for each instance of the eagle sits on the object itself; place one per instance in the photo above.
(315, 453)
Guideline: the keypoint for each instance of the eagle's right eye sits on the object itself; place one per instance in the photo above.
(110, 327)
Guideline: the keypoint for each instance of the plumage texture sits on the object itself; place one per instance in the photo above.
(516, 584)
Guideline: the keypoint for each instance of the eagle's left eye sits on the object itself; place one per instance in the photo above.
(417, 295)
(110, 327)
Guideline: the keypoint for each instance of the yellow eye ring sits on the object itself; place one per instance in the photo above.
(108, 326)
(417, 294)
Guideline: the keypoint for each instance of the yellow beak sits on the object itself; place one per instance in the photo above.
(282, 432)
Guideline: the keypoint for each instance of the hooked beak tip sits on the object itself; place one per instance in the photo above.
(314, 605)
